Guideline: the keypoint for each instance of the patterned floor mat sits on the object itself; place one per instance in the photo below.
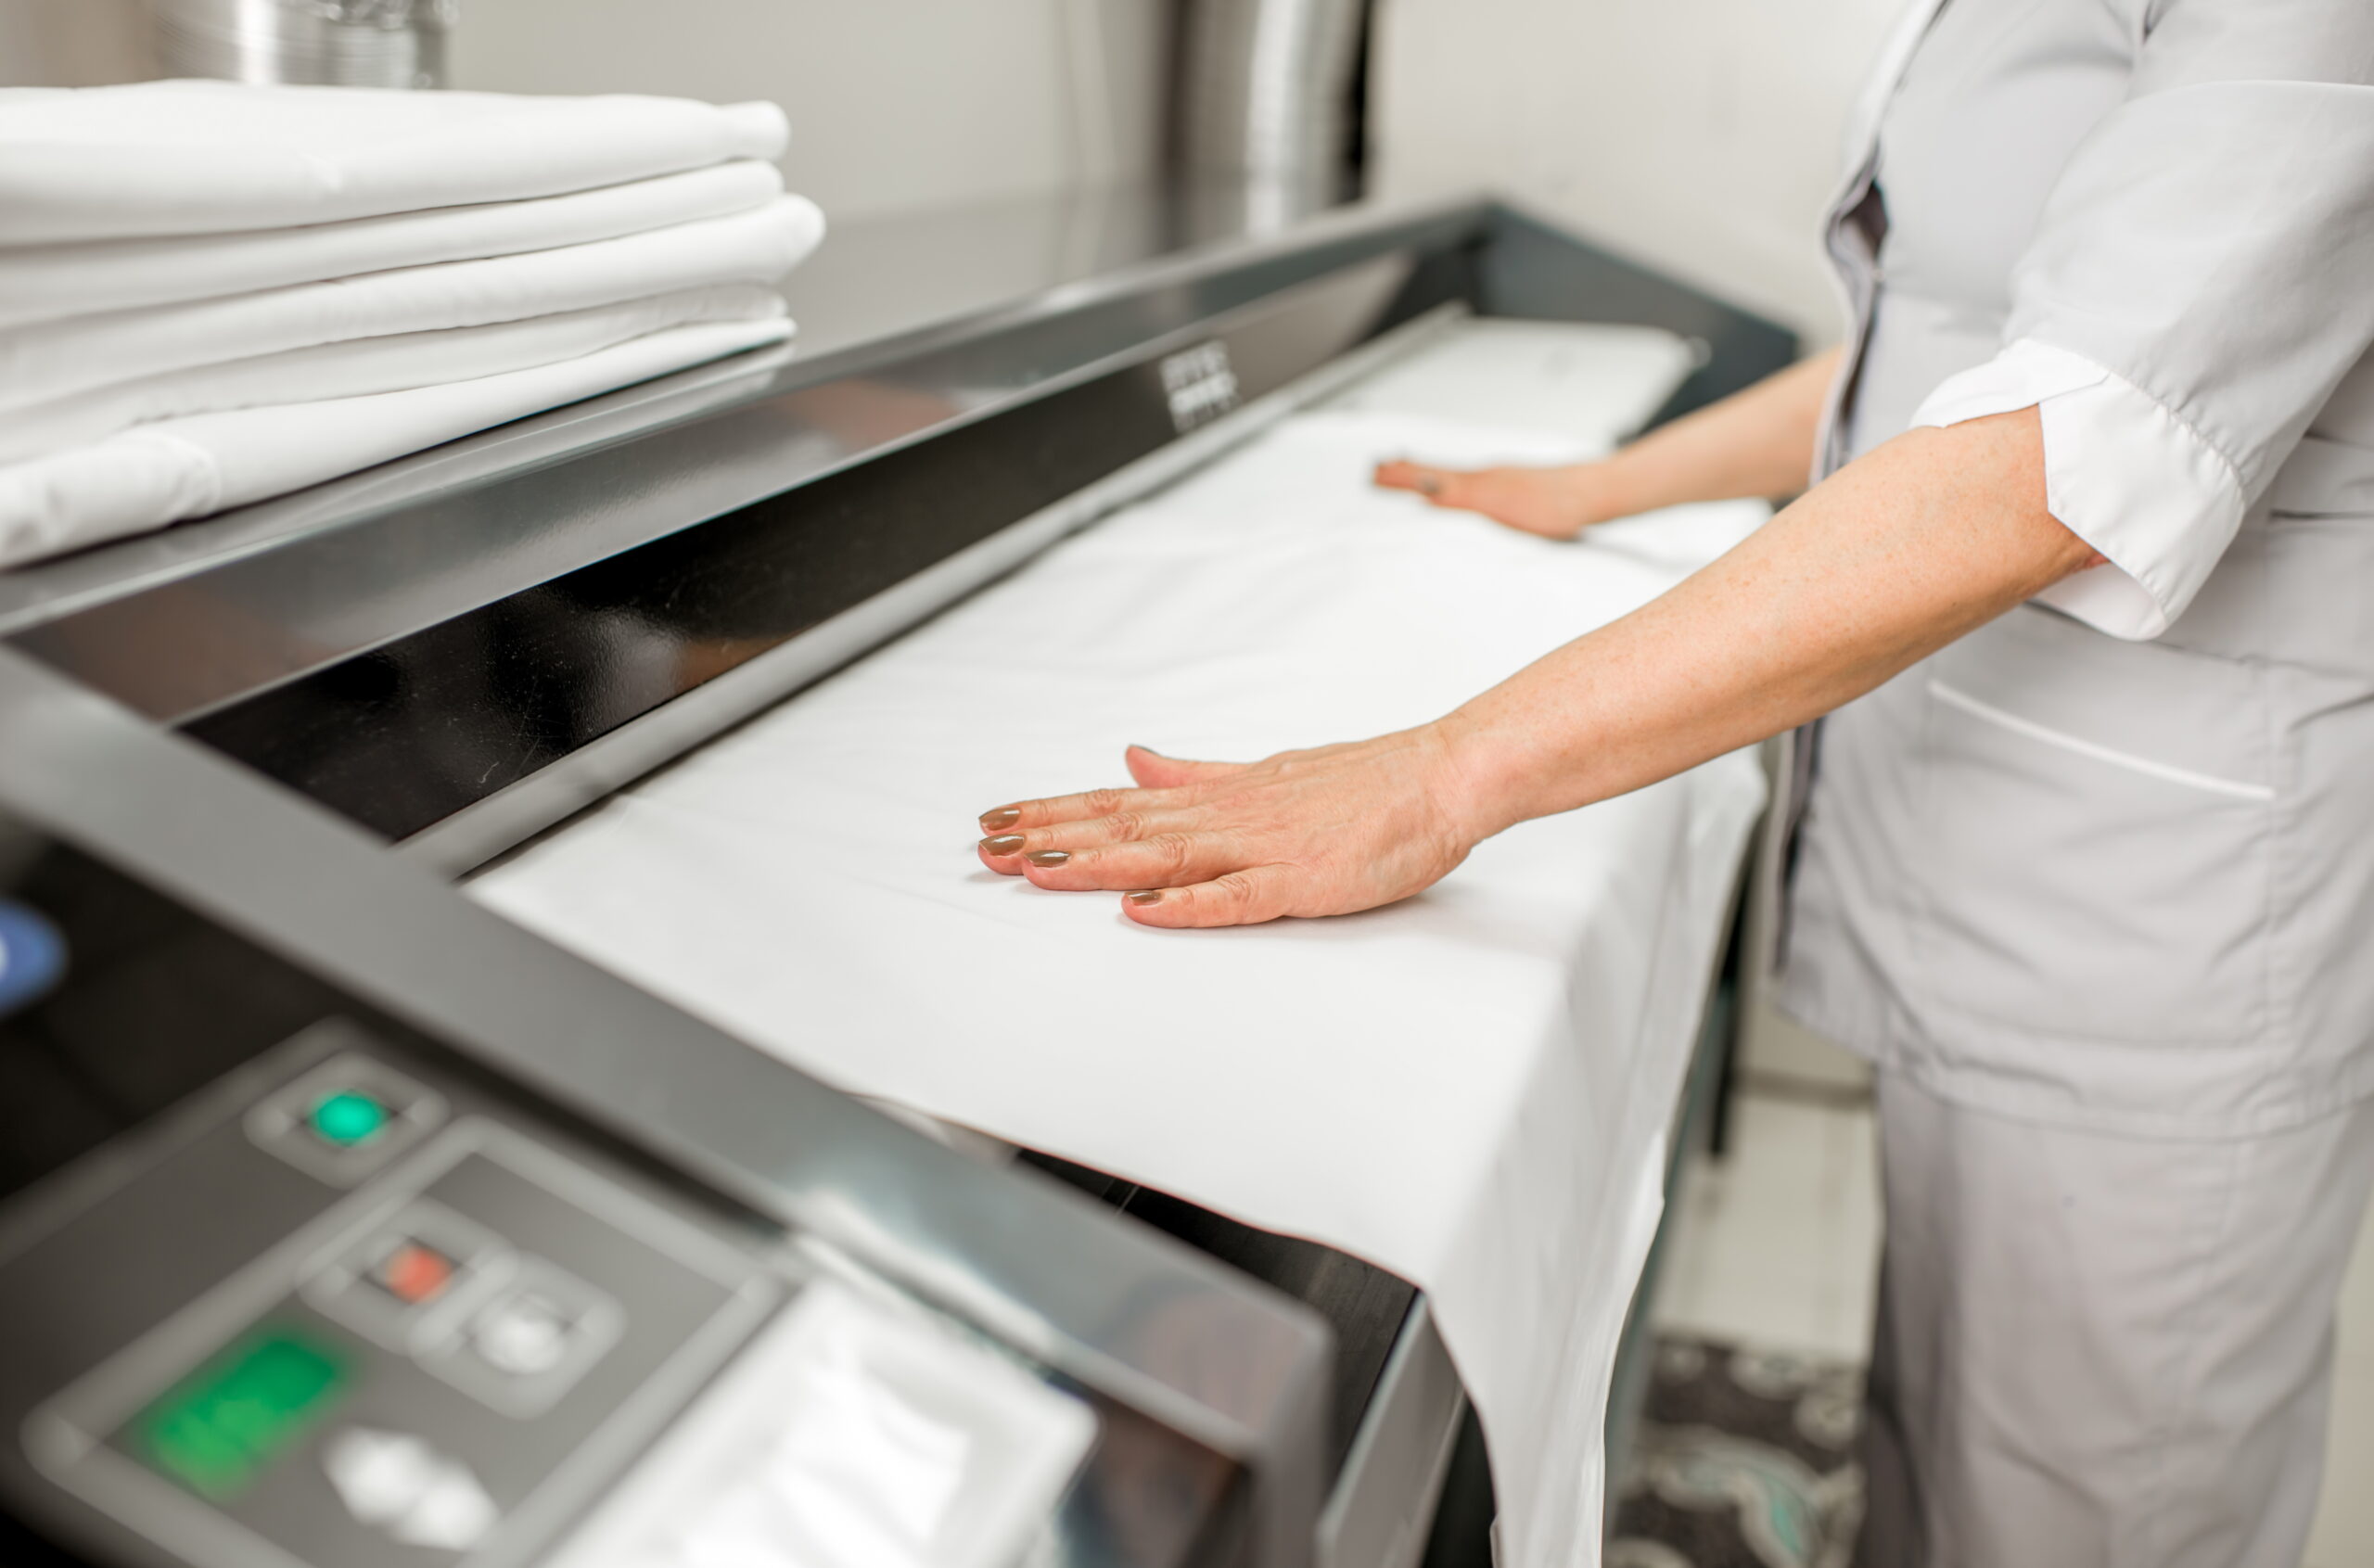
(1744, 1460)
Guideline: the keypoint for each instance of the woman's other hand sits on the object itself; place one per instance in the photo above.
(1758, 442)
(1553, 502)
(1305, 833)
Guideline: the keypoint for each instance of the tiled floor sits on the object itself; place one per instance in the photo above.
(1778, 1244)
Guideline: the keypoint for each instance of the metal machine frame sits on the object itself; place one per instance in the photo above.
(457, 651)
(1038, 1267)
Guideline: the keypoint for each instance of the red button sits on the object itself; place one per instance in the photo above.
(414, 1273)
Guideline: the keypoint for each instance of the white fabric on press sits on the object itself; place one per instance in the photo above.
(1556, 376)
(164, 157)
(42, 282)
(362, 365)
(161, 473)
(1472, 1089)
(55, 358)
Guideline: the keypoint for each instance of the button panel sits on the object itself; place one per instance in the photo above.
(407, 1282)
(400, 1483)
(530, 1344)
(412, 1375)
(348, 1117)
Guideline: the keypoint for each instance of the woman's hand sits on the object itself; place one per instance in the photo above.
(1304, 833)
(1553, 502)
(1758, 442)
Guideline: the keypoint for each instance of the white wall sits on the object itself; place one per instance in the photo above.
(896, 105)
(72, 43)
(1700, 135)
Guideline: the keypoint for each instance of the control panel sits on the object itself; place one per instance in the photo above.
(446, 1359)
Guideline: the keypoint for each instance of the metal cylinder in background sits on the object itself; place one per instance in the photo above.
(338, 43)
(1262, 93)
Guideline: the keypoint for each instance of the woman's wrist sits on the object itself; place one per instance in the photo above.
(1615, 487)
(1483, 781)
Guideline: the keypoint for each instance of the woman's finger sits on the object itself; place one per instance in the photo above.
(1159, 859)
(1119, 828)
(1024, 815)
(1239, 897)
(1435, 484)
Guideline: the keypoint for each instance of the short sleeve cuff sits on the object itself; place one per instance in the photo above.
(2156, 502)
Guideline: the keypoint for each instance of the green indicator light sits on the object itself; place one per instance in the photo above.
(348, 1117)
(218, 1430)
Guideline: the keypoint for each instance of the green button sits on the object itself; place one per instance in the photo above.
(218, 1430)
(348, 1117)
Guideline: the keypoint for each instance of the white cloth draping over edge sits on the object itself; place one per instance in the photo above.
(60, 358)
(167, 158)
(158, 474)
(44, 282)
(1471, 1088)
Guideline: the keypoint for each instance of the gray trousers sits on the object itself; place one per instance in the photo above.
(2102, 1352)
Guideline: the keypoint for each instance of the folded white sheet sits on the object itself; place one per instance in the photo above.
(163, 158)
(42, 282)
(363, 365)
(56, 359)
(161, 473)
(1470, 1089)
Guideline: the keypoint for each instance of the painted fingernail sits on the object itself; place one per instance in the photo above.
(1153, 897)
(1047, 857)
(1009, 844)
(1005, 816)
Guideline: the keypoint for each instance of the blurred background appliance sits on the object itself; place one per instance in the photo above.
(338, 43)
(1267, 93)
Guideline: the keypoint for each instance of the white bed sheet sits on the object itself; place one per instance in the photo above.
(1471, 1088)
(158, 474)
(360, 367)
(46, 282)
(1561, 379)
(58, 359)
(163, 158)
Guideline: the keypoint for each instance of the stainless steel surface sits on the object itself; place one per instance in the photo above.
(1155, 1325)
(1263, 91)
(881, 278)
(1384, 1502)
(339, 43)
(475, 835)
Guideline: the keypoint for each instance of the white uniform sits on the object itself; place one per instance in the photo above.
(2095, 885)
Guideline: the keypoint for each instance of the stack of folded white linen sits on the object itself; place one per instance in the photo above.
(212, 293)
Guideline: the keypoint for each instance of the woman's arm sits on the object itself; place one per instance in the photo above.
(1893, 557)
(1756, 443)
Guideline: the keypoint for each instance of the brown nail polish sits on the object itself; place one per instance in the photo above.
(1005, 816)
(1047, 857)
(1153, 897)
(1009, 844)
